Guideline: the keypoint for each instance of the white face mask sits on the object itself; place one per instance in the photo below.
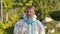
(34, 18)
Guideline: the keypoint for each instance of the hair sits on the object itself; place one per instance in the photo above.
(29, 7)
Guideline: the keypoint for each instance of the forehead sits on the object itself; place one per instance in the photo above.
(29, 9)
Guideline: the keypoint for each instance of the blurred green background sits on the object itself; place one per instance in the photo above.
(47, 11)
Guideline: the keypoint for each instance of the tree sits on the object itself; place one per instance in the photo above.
(1, 12)
(42, 7)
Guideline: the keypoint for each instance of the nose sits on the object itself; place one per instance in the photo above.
(28, 12)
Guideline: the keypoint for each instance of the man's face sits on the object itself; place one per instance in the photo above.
(30, 12)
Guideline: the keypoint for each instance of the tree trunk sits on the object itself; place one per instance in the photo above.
(1, 12)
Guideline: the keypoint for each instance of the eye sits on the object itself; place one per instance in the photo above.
(27, 11)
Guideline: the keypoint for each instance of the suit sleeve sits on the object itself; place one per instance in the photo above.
(17, 28)
(41, 28)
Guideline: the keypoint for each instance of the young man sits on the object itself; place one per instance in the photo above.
(29, 24)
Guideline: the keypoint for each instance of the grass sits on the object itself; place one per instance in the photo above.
(52, 25)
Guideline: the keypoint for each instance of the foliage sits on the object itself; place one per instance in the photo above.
(7, 26)
(1, 25)
(52, 25)
(2, 31)
(7, 4)
(55, 15)
(42, 7)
